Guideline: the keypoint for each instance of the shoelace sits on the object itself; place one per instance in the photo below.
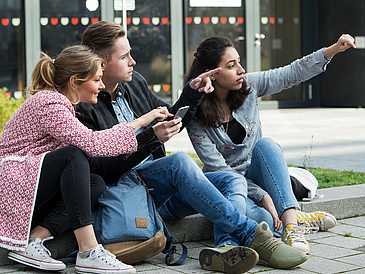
(309, 229)
(312, 220)
(100, 252)
(271, 243)
(41, 249)
(295, 234)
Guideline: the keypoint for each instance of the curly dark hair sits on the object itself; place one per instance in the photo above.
(208, 55)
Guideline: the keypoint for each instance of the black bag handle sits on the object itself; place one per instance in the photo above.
(170, 249)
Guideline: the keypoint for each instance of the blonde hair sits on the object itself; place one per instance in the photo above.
(77, 63)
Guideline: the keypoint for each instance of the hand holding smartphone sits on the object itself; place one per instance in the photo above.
(181, 112)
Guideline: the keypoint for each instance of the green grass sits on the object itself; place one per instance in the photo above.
(331, 178)
(326, 177)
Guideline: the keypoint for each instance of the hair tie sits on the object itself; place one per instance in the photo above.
(52, 61)
(195, 54)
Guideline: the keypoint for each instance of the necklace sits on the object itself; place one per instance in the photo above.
(226, 127)
(227, 123)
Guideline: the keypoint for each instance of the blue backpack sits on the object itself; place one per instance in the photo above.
(128, 225)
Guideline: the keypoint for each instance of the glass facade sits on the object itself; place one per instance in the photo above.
(149, 28)
(202, 22)
(281, 25)
(12, 62)
(64, 21)
(148, 31)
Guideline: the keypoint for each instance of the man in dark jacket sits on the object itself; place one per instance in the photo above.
(127, 96)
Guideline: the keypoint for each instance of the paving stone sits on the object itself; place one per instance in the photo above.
(319, 235)
(358, 221)
(341, 241)
(322, 265)
(343, 229)
(355, 260)
(330, 252)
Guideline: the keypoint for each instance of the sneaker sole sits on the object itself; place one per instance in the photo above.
(99, 270)
(233, 261)
(283, 266)
(36, 263)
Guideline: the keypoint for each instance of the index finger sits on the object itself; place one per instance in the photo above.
(210, 72)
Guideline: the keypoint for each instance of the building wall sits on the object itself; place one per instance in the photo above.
(343, 85)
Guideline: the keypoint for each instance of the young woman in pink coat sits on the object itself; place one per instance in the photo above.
(46, 185)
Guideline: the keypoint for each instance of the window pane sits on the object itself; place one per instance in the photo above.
(204, 22)
(148, 30)
(281, 25)
(64, 21)
(12, 69)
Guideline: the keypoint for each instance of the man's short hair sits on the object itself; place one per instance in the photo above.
(101, 36)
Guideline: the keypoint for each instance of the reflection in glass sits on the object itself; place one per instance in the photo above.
(148, 30)
(12, 69)
(281, 25)
(204, 22)
(64, 21)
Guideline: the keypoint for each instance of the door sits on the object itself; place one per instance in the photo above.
(204, 19)
(281, 24)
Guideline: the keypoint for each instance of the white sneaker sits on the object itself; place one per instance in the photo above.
(38, 256)
(319, 219)
(100, 260)
(294, 236)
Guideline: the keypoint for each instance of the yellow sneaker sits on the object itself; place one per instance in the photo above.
(293, 235)
(319, 219)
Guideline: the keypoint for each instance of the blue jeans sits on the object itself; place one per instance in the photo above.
(269, 170)
(179, 173)
(260, 214)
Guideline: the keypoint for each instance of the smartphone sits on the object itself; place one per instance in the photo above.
(181, 112)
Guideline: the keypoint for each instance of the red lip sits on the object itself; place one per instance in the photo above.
(240, 80)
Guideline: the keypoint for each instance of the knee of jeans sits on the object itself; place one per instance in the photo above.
(267, 142)
(226, 181)
(75, 153)
(184, 160)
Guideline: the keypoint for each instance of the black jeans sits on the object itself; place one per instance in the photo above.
(67, 191)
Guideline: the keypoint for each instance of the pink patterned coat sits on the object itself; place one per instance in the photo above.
(45, 122)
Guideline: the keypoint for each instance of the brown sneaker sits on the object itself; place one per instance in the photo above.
(274, 252)
(228, 259)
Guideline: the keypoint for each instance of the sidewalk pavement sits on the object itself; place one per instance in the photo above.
(327, 138)
(317, 137)
(339, 250)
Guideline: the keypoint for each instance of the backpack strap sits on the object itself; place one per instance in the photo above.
(170, 249)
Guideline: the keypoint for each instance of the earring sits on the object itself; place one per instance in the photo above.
(213, 79)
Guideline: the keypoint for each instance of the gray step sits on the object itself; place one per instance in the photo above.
(342, 202)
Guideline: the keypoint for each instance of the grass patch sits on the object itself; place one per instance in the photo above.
(326, 177)
(331, 178)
